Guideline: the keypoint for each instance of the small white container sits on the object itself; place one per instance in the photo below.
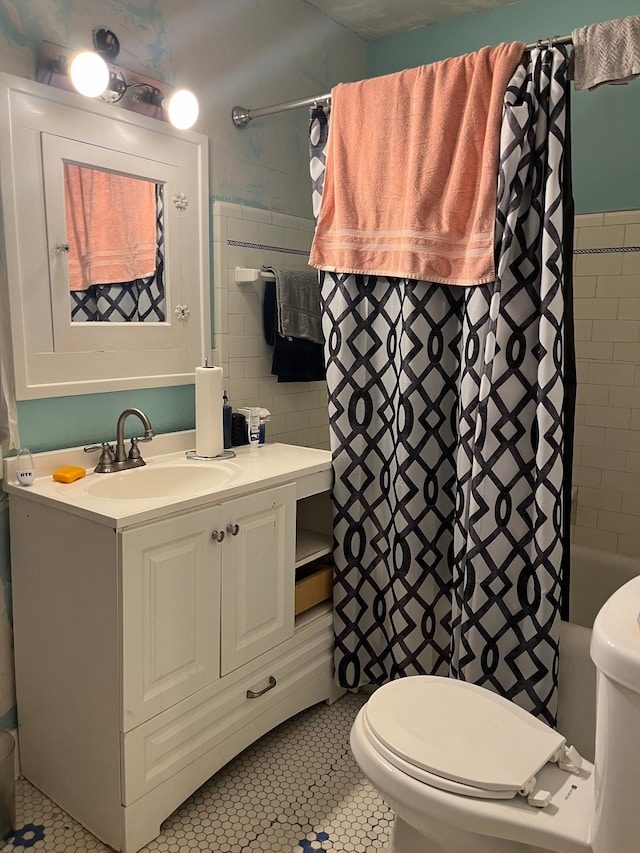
(252, 417)
(254, 425)
(25, 472)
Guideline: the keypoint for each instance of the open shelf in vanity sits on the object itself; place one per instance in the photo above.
(311, 545)
(314, 563)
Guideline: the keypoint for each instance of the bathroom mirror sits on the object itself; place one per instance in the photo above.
(45, 132)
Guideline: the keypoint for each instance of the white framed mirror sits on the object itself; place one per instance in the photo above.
(61, 256)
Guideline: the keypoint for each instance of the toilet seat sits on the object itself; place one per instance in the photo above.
(459, 737)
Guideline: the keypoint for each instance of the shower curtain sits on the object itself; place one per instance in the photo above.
(9, 437)
(448, 436)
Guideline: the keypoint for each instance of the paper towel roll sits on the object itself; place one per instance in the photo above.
(209, 438)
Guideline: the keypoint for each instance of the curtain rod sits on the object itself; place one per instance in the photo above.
(242, 116)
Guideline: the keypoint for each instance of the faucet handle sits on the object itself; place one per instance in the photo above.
(134, 452)
(135, 457)
(105, 446)
(107, 458)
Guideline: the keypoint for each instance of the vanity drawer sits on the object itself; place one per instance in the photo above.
(221, 720)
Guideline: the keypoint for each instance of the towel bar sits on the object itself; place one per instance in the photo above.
(246, 275)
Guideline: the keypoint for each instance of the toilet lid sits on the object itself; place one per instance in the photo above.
(460, 732)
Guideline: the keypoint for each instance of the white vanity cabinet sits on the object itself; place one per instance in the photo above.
(176, 636)
(149, 654)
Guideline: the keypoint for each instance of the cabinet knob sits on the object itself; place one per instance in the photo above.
(217, 535)
(233, 529)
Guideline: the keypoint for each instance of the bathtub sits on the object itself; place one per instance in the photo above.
(595, 576)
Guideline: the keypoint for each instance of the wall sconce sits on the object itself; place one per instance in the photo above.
(93, 74)
(89, 74)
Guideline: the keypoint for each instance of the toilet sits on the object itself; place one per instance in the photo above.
(467, 771)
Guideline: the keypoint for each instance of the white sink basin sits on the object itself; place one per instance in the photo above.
(162, 481)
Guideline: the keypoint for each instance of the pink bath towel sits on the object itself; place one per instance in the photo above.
(111, 227)
(412, 171)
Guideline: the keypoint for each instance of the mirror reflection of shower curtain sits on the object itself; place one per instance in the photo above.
(138, 301)
(448, 427)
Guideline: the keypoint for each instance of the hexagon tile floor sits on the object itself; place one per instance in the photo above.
(296, 790)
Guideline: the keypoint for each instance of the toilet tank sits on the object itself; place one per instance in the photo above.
(615, 650)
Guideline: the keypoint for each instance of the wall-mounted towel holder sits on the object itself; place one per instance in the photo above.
(246, 275)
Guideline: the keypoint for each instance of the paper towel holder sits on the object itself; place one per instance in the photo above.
(209, 441)
(226, 454)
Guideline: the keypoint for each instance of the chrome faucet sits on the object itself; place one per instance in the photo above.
(118, 460)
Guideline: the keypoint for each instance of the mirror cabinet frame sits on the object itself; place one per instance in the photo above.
(41, 128)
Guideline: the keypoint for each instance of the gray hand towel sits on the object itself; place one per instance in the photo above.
(298, 301)
(606, 53)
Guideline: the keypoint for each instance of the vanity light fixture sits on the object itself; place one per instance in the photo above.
(89, 73)
(93, 74)
(182, 109)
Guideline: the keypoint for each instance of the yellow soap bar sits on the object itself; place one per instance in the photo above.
(68, 474)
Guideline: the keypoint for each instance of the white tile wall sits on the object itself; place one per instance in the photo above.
(607, 436)
(298, 409)
(607, 311)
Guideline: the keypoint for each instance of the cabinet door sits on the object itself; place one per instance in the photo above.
(258, 574)
(170, 580)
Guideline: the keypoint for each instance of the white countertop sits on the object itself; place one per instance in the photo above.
(252, 469)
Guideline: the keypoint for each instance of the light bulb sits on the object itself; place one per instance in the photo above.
(182, 109)
(89, 73)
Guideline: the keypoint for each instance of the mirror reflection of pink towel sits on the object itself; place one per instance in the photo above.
(111, 227)
(412, 171)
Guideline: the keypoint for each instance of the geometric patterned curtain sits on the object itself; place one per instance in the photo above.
(138, 301)
(508, 540)
(446, 410)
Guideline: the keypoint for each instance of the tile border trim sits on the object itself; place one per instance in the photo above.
(606, 251)
(265, 247)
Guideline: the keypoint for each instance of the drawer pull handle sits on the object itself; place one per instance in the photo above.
(233, 529)
(254, 695)
(217, 535)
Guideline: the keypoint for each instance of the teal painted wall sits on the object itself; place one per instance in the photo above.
(605, 122)
(87, 418)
